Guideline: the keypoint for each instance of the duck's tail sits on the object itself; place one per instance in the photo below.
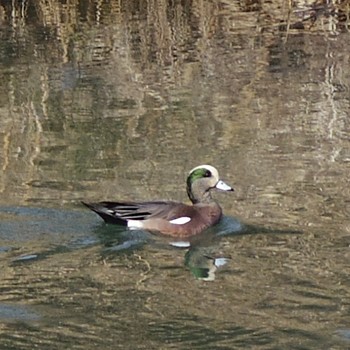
(108, 215)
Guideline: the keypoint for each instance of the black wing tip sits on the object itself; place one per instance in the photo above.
(100, 209)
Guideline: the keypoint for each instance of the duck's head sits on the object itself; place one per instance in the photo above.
(201, 180)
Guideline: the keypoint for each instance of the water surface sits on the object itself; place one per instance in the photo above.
(119, 100)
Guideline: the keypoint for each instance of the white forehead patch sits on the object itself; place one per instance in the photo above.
(213, 171)
(181, 220)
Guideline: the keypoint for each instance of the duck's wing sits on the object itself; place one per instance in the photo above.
(122, 212)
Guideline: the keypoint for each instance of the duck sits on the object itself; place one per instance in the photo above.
(171, 218)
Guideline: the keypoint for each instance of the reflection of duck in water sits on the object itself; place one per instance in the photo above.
(171, 218)
(204, 255)
(201, 265)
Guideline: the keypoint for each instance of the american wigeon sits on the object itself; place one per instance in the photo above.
(171, 218)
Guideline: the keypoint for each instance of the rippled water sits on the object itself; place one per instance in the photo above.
(119, 100)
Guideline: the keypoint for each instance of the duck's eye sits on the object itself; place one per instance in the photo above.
(207, 173)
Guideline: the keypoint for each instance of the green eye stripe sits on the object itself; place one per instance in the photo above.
(197, 174)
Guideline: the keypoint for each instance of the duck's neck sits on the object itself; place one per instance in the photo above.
(199, 195)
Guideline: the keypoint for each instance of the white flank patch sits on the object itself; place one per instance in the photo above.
(180, 244)
(181, 221)
(135, 224)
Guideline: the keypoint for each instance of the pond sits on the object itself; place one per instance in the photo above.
(118, 100)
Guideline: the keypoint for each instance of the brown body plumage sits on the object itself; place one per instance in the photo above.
(171, 218)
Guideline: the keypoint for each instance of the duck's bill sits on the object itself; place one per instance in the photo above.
(223, 187)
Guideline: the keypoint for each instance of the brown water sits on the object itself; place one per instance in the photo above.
(119, 100)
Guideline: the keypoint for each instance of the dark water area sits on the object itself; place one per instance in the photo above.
(116, 100)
